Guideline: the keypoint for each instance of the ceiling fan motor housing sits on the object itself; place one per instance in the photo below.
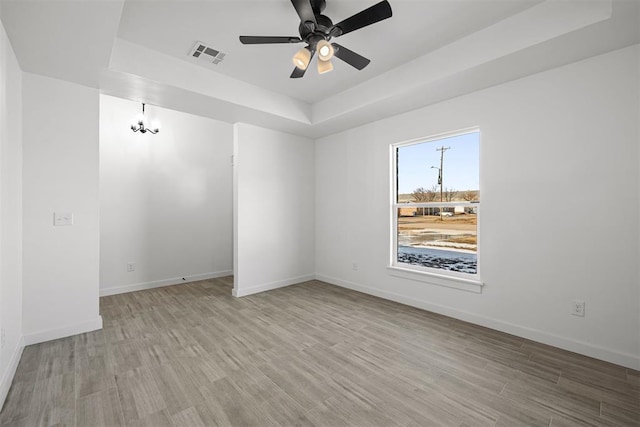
(308, 31)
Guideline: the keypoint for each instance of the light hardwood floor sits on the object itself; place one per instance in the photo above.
(309, 354)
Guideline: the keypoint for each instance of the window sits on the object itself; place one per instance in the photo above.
(436, 203)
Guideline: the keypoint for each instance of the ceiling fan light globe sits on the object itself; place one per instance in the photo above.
(325, 50)
(301, 58)
(324, 66)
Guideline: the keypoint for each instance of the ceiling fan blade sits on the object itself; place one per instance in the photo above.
(350, 57)
(299, 72)
(304, 10)
(375, 13)
(268, 39)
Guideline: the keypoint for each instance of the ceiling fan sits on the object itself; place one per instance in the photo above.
(316, 30)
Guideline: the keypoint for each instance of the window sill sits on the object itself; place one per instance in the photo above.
(461, 283)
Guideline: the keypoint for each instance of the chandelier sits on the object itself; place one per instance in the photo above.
(140, 124)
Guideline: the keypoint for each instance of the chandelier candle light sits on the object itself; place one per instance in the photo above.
(140, 124)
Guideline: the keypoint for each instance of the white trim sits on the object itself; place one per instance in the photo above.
(628, 360)
(67, 331)
(272, 285)
(10, 372)
(160, 283)
(438, 136)
(393, 200)
(439, 279)
(234, 215)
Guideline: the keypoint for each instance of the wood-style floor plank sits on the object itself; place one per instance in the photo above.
(307, 355)
(101, 408)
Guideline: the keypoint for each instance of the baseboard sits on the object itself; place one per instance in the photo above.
(67, 331)
(623, 359)
(272, 285)
(160, 283)
(7, 376)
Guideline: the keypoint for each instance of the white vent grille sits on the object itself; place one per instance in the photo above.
(206, 53)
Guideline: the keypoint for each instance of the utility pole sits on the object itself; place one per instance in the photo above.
(441, 150)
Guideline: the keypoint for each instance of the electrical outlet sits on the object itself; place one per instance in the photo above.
(2, 338)
(354, 266)
(131, 267)
(577, 307)
(62, 218)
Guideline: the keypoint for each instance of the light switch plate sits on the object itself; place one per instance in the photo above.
(62, 218)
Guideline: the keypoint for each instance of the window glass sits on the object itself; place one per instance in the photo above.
(437, 194)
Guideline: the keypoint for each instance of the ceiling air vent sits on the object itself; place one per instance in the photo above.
(207, 53)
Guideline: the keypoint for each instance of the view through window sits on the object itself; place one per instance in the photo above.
(437, 198)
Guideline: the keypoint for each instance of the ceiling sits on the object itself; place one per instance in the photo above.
(416, 28)
(428, 51)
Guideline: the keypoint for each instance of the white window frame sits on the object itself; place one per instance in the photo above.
(435, 276)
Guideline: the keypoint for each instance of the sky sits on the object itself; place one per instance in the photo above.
(461, 164)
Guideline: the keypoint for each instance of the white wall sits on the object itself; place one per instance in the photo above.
(10, 213)
(60, 173)
(559, 215)
(273, 209)
(165, 199)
